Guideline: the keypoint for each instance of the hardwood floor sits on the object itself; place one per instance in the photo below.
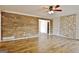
(41, 44)
(22, 45)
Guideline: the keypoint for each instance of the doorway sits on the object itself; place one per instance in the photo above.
(44, 26)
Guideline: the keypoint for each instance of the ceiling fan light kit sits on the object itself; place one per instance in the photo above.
(50, 12)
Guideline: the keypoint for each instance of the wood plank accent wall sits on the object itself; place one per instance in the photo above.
(14, 24)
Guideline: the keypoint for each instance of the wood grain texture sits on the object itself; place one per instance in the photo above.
(15, 24)
(41, 44)
(20, 46)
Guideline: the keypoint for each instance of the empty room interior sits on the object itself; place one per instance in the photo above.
(39, 28)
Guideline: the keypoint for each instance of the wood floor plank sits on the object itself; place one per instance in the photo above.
(40, 44)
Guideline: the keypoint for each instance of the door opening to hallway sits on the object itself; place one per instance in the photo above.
(44, 26)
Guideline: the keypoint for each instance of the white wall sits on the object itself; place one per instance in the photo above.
(56, 25)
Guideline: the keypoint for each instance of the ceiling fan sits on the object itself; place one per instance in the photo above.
(53, 8)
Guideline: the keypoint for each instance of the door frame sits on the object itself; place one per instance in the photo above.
(48, 25)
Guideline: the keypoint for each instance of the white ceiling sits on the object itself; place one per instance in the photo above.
(37, 10)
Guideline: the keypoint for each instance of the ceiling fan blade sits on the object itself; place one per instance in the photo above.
(57, 6)
(57, 10)
(45, 7)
